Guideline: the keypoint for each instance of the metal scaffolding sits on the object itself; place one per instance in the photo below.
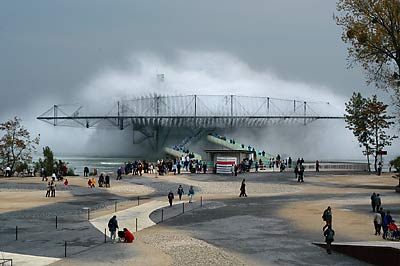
(193, 111)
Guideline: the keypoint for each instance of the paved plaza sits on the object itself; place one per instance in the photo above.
(275, 225)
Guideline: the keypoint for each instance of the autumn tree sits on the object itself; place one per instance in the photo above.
(368, 120)
(16, 144)
(372, 30)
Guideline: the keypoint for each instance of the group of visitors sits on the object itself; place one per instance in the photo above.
(103, 181)
(123, 236)
(51, 189)
(299, 170)
(383, 220)
(180, 192)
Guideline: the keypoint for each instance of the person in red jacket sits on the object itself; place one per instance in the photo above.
(128, 236)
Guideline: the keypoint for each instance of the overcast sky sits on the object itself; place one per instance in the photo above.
(63, 51)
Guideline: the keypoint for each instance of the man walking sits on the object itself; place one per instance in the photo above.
(243, 189)
(112, 227)
(327, 217)
(373, 202)
(180, 192)
(378, 202)
(170, 198)
(329, 234)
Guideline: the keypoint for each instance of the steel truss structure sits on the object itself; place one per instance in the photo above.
(145, 114)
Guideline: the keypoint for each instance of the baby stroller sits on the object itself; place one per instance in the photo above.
(121, 236)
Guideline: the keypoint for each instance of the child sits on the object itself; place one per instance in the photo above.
(66, 183)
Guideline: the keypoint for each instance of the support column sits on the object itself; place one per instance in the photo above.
(305, 113)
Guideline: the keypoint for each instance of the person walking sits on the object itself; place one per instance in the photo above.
(373, 202)
(317, 166)
(170, 198)
(378, 202)
(112, 227)
(329, 234)
(191, 194)
(296, 171)
(377, 223)
(327, 217)
(180, 192)
(243, 189)
(66, 183)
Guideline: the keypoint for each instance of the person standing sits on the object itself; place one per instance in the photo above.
(170, 198)
(48, 189)
(8, 171)
(107, 179)
(85, 171)
(327, 217)
(301, 173)
(329, 234)
(204, 168)
(243, 189)
(53, 188)
(373, 202)
(180, 192)
(66, 183)
(191, 194)
(112, 227)
(317, 166)
(377, 223)
(296, 171)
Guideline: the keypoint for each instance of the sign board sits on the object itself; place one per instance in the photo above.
(224, 164)
(381, 152)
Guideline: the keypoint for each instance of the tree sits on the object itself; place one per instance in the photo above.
(368, 120)
(372, 29)
(16, 144)
(48, 161)
(356, 122)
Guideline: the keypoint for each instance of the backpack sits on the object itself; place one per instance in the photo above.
(329, 235)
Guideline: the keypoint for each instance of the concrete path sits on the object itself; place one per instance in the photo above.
(27, 260)
(127, 218)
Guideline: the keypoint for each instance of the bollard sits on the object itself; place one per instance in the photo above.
(183, 207)
(138, 200)
(136, 224)
(56, 222)
(201, 201)
(65, 249)
(115, 207)
(16, 233)
(162, 215)
(105, 235)
(88, 214)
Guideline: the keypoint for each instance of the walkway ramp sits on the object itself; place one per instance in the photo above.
(179, 154)
(374, 252)
(229, 144)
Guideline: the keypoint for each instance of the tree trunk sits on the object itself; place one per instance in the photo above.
(369, 167)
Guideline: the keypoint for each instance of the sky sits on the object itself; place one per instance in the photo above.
(93, 52)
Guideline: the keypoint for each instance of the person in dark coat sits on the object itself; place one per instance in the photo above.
(107, 179)
(243, 189)
(170, 198)
(373, 202)
(112, 227)
(180, 192)
(327, 217)
(329, 234)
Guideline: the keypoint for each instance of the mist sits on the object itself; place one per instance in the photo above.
(202, 73)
